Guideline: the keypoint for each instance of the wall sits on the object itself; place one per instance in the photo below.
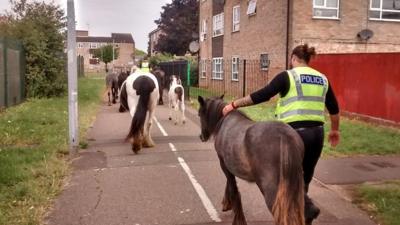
(340, 35)
(364, 83)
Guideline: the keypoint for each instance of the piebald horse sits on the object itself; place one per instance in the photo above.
(176, 100)
(139, 95)
(267, 153)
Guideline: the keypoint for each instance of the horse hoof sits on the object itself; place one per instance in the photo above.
(109, 104)
(148, 145)
(183, 122)
(169, 118)
(226, 208)
(136, 148)
(176, 123)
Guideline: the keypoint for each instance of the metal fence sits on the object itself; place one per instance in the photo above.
(12, 72)
(234, 78)
(180, 68)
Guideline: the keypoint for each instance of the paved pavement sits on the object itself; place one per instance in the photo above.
(178, 182)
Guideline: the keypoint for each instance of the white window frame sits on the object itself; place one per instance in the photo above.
(252, 7)
(93, 45)
(218, 25)
(236, 18)
(381, 10)
(203, 72)
(203, 31)
(326, 7)
(235, 68)
(217, 74)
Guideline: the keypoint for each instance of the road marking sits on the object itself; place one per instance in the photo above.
(212, 212)
(164, 133)
(172, 146)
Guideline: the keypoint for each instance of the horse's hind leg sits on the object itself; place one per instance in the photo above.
(148, 141)
(232, 198)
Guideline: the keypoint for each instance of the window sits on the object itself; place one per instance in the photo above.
(236, 18)
(203, 31)
(326, 9)
(93, 45)
(217, 69)
(203, 68)
(387, 10)
(264, 61)
(235, 68)
(218, 25)
(251, 8)
(80, 45)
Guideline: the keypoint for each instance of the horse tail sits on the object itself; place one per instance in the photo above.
(288, 208)
(179, 92)
(144, 86)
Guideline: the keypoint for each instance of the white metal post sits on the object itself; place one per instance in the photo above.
(72, 82)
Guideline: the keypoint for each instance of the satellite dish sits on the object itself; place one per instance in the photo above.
(365, 34)
(194, 46)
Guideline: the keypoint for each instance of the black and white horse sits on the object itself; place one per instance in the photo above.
(139, 95)
(176, 100)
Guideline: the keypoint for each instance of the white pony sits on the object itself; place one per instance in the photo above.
(139, 95)
(176, 99)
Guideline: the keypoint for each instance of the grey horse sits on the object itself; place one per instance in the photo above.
(267, 153)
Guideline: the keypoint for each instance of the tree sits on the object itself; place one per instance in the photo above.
(41, 28)
(105, 54)
(178, 21)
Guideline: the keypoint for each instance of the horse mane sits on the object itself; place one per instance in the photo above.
(216, 117)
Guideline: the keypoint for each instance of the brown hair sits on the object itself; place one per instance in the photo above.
(304, 52)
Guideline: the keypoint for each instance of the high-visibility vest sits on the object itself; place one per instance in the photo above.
(305, 100)
(145, 67)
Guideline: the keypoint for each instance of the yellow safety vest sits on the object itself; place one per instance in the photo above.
(145, 67)
(305, 100)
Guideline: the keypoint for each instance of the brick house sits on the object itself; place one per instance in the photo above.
(154, 35)
(123, 41)
(261, 34)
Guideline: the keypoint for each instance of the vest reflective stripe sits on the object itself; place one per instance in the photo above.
(302, 98)
(297, 82)
(301, 112)
(304, 101)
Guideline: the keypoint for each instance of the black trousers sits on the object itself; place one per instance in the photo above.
(313, 138)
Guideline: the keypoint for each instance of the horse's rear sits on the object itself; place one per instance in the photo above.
(275, 153)
(142, 95)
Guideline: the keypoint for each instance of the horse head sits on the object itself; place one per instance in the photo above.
(210, 113)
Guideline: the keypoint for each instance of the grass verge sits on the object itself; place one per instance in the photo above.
(357, 137)
(33, 145)
(382, 201)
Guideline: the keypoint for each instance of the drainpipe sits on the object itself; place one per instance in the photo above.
(287, 33)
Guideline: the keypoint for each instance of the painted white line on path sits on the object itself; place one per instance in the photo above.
(172, 147)
(164, 133)
(212, 212)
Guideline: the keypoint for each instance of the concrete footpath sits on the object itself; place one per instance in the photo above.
(179, 180)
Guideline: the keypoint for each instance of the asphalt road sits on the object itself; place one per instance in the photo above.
(176, 182)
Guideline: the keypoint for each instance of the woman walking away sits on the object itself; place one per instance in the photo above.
(303, 95)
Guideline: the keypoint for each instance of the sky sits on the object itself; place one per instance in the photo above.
(103, 17)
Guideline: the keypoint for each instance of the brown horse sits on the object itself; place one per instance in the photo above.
(267, 153)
